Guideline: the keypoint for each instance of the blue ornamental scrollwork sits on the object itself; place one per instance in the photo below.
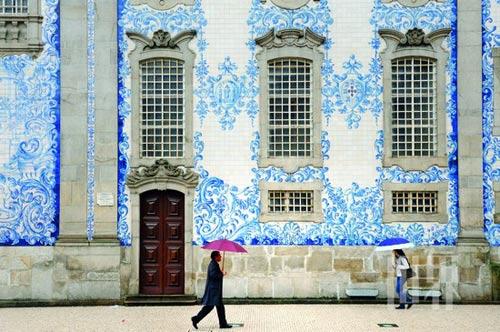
(227, 94)
(352, 91)
(491, 148)
(29, 112)
(145, 20)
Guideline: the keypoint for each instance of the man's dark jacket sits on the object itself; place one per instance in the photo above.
(213, 288)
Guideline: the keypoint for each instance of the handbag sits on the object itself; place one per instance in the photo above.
(409, 272)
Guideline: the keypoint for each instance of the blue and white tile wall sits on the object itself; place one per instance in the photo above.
(29, 140)
(227, 136)
(491, 144)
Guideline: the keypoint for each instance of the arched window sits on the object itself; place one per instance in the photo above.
(162, 108)
(290, 108)
(413, 107)
(162, 99)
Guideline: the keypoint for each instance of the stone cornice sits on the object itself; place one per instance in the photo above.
(163, 39)
(412, 3)
(162, 4)
(161, 171)
(289, 4)
(290, 37)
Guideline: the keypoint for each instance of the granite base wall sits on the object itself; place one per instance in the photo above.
(103, 272)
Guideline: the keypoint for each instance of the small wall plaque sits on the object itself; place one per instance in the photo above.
(105, 199)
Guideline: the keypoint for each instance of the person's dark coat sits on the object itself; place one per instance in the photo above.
(213, 287)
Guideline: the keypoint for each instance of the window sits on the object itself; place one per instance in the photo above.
(413, 107)
(162, 99)
(415, 202)
(290, 99)
(13, 6)
(287, 201)
(414, 69)
(290, 201)
(290, 118)
(20, 27)
(162, 106)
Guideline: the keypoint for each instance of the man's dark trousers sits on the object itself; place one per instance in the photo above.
(221, 313)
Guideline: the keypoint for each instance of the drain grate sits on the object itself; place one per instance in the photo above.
(387, 325)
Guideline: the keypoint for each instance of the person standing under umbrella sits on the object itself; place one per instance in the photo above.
(401, 264)
(213, 293)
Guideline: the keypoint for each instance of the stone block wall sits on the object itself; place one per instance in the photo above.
(60, 273)
(460, 273)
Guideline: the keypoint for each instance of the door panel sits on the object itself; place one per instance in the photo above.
(162, 243)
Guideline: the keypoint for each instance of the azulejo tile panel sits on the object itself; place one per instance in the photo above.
(29, 140)
(491, 144)
(353, 214)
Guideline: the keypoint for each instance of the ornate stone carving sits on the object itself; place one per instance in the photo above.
(414, 37)
(162, 4)
(289, 4)
(161, 171)
(412, 3)
(163, 39)
(290, 37)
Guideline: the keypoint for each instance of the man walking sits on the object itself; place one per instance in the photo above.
(213, 293)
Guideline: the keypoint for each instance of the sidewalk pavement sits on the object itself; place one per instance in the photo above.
(261, 318)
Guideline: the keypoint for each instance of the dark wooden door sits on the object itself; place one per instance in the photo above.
(162, 243)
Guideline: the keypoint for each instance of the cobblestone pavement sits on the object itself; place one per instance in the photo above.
(450, 318)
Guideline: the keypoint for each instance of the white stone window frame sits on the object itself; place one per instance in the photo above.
(398, 45)
(496, 90)
(9, 31)
(290, 43)
(162, 4)
(289, 4)
(440, 217)
(176, 47)
(412, 3)
(266, 216)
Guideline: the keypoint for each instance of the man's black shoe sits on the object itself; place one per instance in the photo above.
(195, 324)
(401, 306)
(226, 326)
(409, 305)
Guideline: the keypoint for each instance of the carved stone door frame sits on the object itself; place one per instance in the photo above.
(161, 176)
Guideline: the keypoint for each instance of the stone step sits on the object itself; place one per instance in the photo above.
(166, 300)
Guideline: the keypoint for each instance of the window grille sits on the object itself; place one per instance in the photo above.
(13, 6)
(291, 201)
(414, 107)
(415, 202)
(290, 118)
(162, 106)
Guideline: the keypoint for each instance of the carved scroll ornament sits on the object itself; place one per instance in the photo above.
(414, 38)
(290, 37)
(412, 3)
(162, 4)
(163, 171)
(163, 39)
(289, 4)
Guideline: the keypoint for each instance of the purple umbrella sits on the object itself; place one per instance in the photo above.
(224, 245)
(394, 243)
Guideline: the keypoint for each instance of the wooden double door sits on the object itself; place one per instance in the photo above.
(162, 243)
